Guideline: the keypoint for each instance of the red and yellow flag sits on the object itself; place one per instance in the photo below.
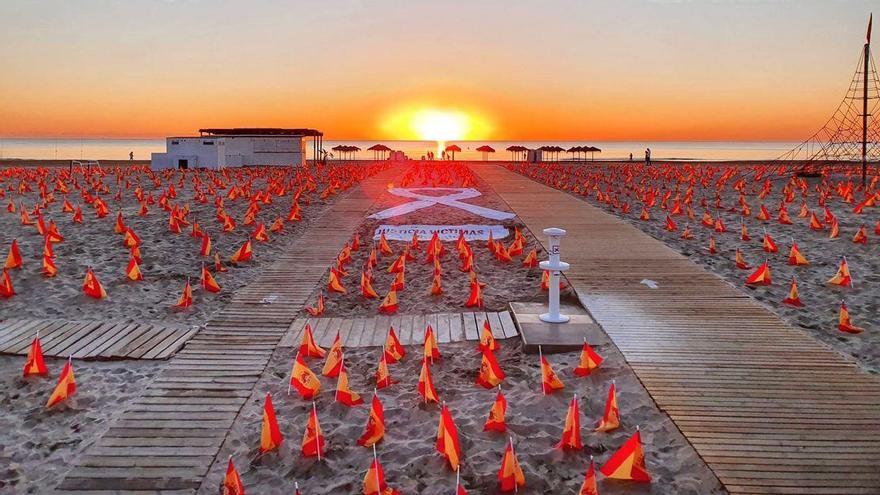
(447, 439)
(133, 270)
(549, 381)
(92, 287)
(270, 436)
(394, 351)
(208, 281)
(844, 324)
(304, 379)
(487, 341)
(344, 394)
(590, 487)
(333, 364)
(842, 277)
(510, 476)
(313, 439)
(431, 350)
(206, 245)
(793, 298)
(367, 287)
(531, 259)
(49, 268)
(496, 420)
(475, 299)
(307, 345)
(374, 481)
(232, 481)
(571, 433)
(769, 245)
(426, 384)
(383, 377)
(186, 298)
(34, 364)
(588, 362)
(244, 253)
(375, 428)
(795, 258)
(611, 419)
(13, 259)
(389, 303)
(333, 283)
(6, 289)
(761, 276)
(628, 463)
(318, 308)
(66, 385)
(490, 374)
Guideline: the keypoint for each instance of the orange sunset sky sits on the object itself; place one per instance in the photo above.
(604, 70)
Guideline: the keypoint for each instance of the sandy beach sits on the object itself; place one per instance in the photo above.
(410, 462)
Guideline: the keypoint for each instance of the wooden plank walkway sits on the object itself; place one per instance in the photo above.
(768, 407)
(105, 339)
(169, 437)
(410, 329)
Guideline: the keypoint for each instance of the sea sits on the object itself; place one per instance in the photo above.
(119, 149)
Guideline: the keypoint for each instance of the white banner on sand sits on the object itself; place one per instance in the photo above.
(444, 232)
(452, 200)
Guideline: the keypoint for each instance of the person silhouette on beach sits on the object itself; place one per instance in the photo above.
(131, 155)
(630, 157)
(647, 156)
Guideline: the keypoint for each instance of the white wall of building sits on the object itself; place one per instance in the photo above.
(230, 151)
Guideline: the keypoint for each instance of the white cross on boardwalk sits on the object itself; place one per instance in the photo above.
(453, 200)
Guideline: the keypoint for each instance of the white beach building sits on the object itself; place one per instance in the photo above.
(237, 147)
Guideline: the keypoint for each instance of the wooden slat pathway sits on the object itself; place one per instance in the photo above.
(372, 331)
(169, 437)
(768, 407)
(108, 339)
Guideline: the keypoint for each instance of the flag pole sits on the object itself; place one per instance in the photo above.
(457, 479)
(543, 385)
(341, 371)
(317, 437)
(376, 460)
(513, 453)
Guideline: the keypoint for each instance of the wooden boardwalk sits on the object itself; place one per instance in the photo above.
(105, 339)
(769, 408)
(169, 437)
(410, 329)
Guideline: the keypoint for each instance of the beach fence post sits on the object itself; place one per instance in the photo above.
(556, 267)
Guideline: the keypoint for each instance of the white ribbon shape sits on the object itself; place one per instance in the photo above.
(453, 200)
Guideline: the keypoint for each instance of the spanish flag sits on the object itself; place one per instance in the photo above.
(628, 463)
(186, 298)
(861, 236)
(313, 438)
(531, 259)
(66, 385)
(761, 276)
(208, 281)
(490, 374)
(842, 277)
(119, 228)
(795, 258)
(383, 378)
(740, 262)
(333, 364)
(243, 253)
(389, 303)
(344, 394)
(367, 287)
(496, 421)
(13, 259)
(549, 381)
(383, 244)
(133, 270)
(206, 245)
(303, 379)
(399, 282)
(307, 346)
(487, 341)
(232, 482)
(394, 351)
(510, 476)
(270, 436)
(844, 323)
(815, 224)
(426, 385)
(588, 362)
(769, 244)
(447, 439)
(92, 287)
(6, 289)
(333, 284)
(398, 265)
(589, 487)
(260, 234)
(49, 268)
(436, 285)
(34, 365)
(374, 480)
(611, 419)
(793, 298)
(375, 428)
(431, 350)
(571, 433)
(475, 300)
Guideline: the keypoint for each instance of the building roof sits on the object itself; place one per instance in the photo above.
(260, 131)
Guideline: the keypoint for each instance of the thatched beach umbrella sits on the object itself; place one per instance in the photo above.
(592, 149)
(486, 149)
(453, 148)
(377, 149)
(339, 149)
